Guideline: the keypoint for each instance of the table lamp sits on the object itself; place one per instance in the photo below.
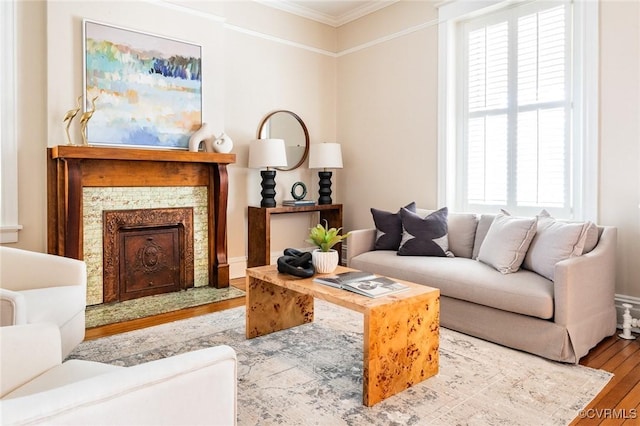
(267, 153)
(325, 156)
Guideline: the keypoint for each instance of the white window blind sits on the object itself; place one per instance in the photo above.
(516, 99)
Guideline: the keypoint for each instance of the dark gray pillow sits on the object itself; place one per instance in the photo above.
(424, 237)
(389, 228)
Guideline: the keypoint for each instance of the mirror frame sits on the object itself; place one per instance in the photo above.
(306, 137)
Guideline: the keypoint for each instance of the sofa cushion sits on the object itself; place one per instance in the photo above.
(389, 228)
(592, 238)
(484, 222)
(507, 241)
(523, 292)
(553, 242)
(424, 236)
(462, 232)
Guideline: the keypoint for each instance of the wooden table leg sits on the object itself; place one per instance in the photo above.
(401, 343)
(272, 308)
(259, 233)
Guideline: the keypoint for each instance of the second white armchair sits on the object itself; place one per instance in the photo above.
(39, 287)
(36, 387)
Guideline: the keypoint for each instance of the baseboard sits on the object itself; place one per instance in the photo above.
(635, 310)
(238, 265)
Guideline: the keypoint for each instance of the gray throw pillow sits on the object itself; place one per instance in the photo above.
(389, 228)
(424, 236)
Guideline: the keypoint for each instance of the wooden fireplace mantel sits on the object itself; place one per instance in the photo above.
(71, 168)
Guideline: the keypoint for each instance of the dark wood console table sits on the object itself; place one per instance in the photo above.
(71, 168)
(259, 246)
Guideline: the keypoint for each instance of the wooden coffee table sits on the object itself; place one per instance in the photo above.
(401, 331)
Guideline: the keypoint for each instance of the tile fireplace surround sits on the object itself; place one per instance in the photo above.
(97, 200)
(121, 178)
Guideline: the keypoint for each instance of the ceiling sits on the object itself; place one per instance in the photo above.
(330, 12)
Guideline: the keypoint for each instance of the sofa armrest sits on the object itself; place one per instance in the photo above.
(196, 387)
(13, 308)
(584, 286)
(360, 241)
(26, 270)
(26, 351)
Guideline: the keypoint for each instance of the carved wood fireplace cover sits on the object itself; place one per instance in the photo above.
(147, 251)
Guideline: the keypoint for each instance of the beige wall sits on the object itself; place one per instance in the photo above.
(619, 199)
(373, 93)
(387, 111)
(32, 117)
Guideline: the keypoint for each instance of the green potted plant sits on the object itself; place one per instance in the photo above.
(325, 259)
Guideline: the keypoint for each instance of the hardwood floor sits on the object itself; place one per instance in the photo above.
(617, 404)
(619, 401)
(108, 330)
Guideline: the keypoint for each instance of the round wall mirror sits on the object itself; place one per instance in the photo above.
(287, 125)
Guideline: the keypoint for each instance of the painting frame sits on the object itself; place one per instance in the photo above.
(148, 87)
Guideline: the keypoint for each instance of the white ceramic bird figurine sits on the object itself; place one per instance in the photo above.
(84, 120)
(68, 118)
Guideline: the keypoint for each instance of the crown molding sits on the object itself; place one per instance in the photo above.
(185, 9)
(324, 18)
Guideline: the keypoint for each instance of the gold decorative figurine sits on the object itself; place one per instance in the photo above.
(84, 119)
(68, 118)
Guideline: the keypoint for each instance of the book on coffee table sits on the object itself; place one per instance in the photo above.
(375, 287)
(361, 282)
(338, 280)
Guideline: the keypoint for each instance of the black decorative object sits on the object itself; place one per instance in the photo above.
(299, 191)
(325, 188)
(296, 263)
(268, 188)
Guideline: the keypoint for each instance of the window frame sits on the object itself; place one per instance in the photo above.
(584, 126)
(9, 225)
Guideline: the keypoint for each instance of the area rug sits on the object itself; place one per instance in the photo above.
(111, 313)
(312, 374)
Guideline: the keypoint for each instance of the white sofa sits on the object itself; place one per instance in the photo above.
(38, 287)
(193, 388)
(559, 320)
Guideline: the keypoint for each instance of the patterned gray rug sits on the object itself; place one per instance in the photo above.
(312, 374)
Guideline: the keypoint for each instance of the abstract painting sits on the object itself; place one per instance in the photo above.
(148, 88)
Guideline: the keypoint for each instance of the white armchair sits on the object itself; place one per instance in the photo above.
(36, 387)
(38, 287)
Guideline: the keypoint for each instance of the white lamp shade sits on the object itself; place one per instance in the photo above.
(267, 153)
(325, 156)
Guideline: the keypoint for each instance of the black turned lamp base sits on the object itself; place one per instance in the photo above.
(268, 188)
(325, 188)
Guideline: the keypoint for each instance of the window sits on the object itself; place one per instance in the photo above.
(513, 134)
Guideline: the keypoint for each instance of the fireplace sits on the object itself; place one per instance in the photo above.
(72, 170)
(147, 252)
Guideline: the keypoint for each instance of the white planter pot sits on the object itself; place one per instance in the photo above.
(325, 262)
